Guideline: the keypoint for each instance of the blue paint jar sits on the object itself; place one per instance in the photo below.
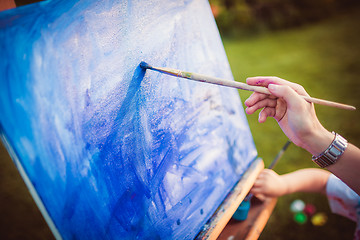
(242, 212)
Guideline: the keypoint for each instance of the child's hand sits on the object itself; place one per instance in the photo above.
(269, 184)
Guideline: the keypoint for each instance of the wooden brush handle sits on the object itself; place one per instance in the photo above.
(239, 85)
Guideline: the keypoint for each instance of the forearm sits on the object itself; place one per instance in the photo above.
(306, 180)
(347, 168)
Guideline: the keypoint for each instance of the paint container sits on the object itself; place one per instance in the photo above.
(300, 218)
(319, 219)
(297, 206)
(309, 210)
(242, 212)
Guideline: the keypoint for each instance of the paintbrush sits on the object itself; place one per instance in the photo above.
(234, 84)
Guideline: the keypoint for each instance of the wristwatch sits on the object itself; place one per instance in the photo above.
(332, 153)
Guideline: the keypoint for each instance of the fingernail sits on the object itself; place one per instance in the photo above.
(272, 87)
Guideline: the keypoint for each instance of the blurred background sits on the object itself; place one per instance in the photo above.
(315, 43)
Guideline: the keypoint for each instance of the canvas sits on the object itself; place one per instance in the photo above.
(107, 149)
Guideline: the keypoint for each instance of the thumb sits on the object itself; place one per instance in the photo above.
(291, 97)
(261, 197)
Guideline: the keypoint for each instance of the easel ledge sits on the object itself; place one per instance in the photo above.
(223, 214)
(251, 228)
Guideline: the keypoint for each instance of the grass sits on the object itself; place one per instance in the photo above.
(324, 58)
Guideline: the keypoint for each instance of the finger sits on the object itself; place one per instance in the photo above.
(280, 109)
(261, 175)
(267, 171)
(267, 102)
(257, 184)
(260, 81)
(255, 190)
(255, 97)
(265, 81)
(261, 197)
(293, 99)
(260, 178)
(265, 113)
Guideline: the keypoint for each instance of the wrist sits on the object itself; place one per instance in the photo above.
(318, 141)
(332, 153)
(284, 189)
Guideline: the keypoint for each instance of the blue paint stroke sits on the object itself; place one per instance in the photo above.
(114, 151)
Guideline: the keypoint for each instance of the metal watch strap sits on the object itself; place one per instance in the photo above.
(332, 153)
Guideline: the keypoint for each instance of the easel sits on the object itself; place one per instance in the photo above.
(221, 226)
(7, 4)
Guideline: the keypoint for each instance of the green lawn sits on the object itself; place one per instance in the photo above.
(324, 58)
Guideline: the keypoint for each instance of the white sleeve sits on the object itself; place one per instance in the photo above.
(342, 199)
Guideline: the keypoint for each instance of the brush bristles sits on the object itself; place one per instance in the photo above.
(144, 65)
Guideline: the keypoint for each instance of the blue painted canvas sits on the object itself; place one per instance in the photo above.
(107, 149)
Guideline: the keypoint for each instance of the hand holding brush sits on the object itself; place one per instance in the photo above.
(298, 120)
